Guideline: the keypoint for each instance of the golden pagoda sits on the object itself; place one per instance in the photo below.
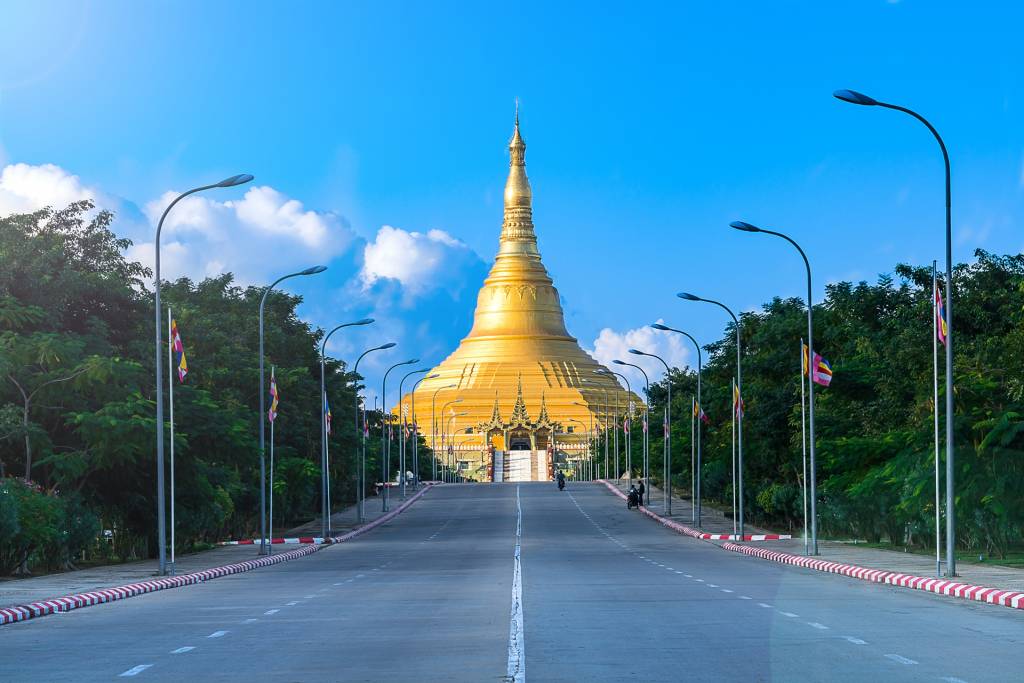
(519, 396)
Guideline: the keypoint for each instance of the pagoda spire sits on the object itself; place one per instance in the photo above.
(518, 223)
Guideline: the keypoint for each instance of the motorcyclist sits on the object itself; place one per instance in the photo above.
(561, 480)
(633, 497)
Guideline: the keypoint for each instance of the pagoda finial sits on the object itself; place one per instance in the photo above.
(518, 224)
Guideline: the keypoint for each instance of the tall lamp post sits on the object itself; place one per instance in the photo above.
(263, 413)
(747, 227)
(445, 476)
(385, 442)
(433, 429)
(161, 531)
(361, 486)
(579, 465)
(629, 392)
(739, 387)
(401, 426)
(695, 473)
(451, 444)
(647, 424)
(325, 486)
(592, 434)
(415, 431)
(667, 466)
(854, 97)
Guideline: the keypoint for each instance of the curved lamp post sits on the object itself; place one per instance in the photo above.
(581, 424)
(160, 504)
(667, 467)
(361, 492)
(739, 388)
(854, 97)
(415, 432)
(402, 422)
(629, 391)
(695, 470)
(325, 485)
(451, 435)
(444, 476)
(264, 548)
(433, 428)
(385, 442)
(591, 435)
(747, 227)
(647, 400)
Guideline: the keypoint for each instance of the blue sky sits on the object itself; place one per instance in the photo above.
(648, 127)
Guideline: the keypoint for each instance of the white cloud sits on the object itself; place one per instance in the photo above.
(262, 233)
(610, 345)
(420, 262)
(25, 188)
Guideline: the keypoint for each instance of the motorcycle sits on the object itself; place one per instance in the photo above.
(561, 484)
(633, 499)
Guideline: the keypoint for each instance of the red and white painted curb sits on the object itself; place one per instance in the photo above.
(747, 537)
(67, 603)
(299, 540)
(994, 596)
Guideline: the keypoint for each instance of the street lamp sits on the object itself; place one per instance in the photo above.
(629, 392)
(385, 442)
(402, 424)
(587, 434)
(445, 477)
(160, 505)
(667, 467)
(590, 435)
(694, 469)
(451, 445)
(415, 431)
(433, 429)
(605, 410)
(747, 227)
(263, 469)
(325, 484)
(739, 387)
(854, 97)
(647, 400)
(361, 492)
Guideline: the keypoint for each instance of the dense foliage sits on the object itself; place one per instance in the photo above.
(77, 414)
(874, 423)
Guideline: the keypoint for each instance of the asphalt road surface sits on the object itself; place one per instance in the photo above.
(606, 595)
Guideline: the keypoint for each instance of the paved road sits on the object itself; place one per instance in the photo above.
(607, 596)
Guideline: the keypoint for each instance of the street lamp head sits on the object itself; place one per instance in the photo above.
(410, 361)
(688, 296)
(314, 270)
(745, 227)
(854, 97)
(364, 321)
(432, 376)
(240, 179)
(619, 362)
(663, 328)
(386, 346)
(637, 352)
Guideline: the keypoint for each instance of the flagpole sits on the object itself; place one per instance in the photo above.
(803, 436)
(734, 457)
(170, 401)
(935, 412)
(270, 523)
(693, 456)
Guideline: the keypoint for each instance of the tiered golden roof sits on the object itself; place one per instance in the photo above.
(518, 359)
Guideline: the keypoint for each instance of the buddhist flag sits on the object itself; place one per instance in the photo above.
(822, 371)
(664, 423)
(625, 424)
(699, 413)
(738, 405)
(272, 413)
(804, 360)
(366, 424)
(179, 350)
(327, 413)
(941, 330)
(645, 422)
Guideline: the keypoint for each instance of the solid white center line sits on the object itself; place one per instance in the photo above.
(136, 670)
(855, 641)
(818, 626)
(183, 650)
(271, 611)
(516, 642)
(217, 634)
(901, 659)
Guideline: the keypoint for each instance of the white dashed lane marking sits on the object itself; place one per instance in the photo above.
(219, 634)
(183, 650)
(820, 627)
(901, 659)
(295, 602)
(271, 611)
(855, 641)
(250, 621)
(788, 614)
